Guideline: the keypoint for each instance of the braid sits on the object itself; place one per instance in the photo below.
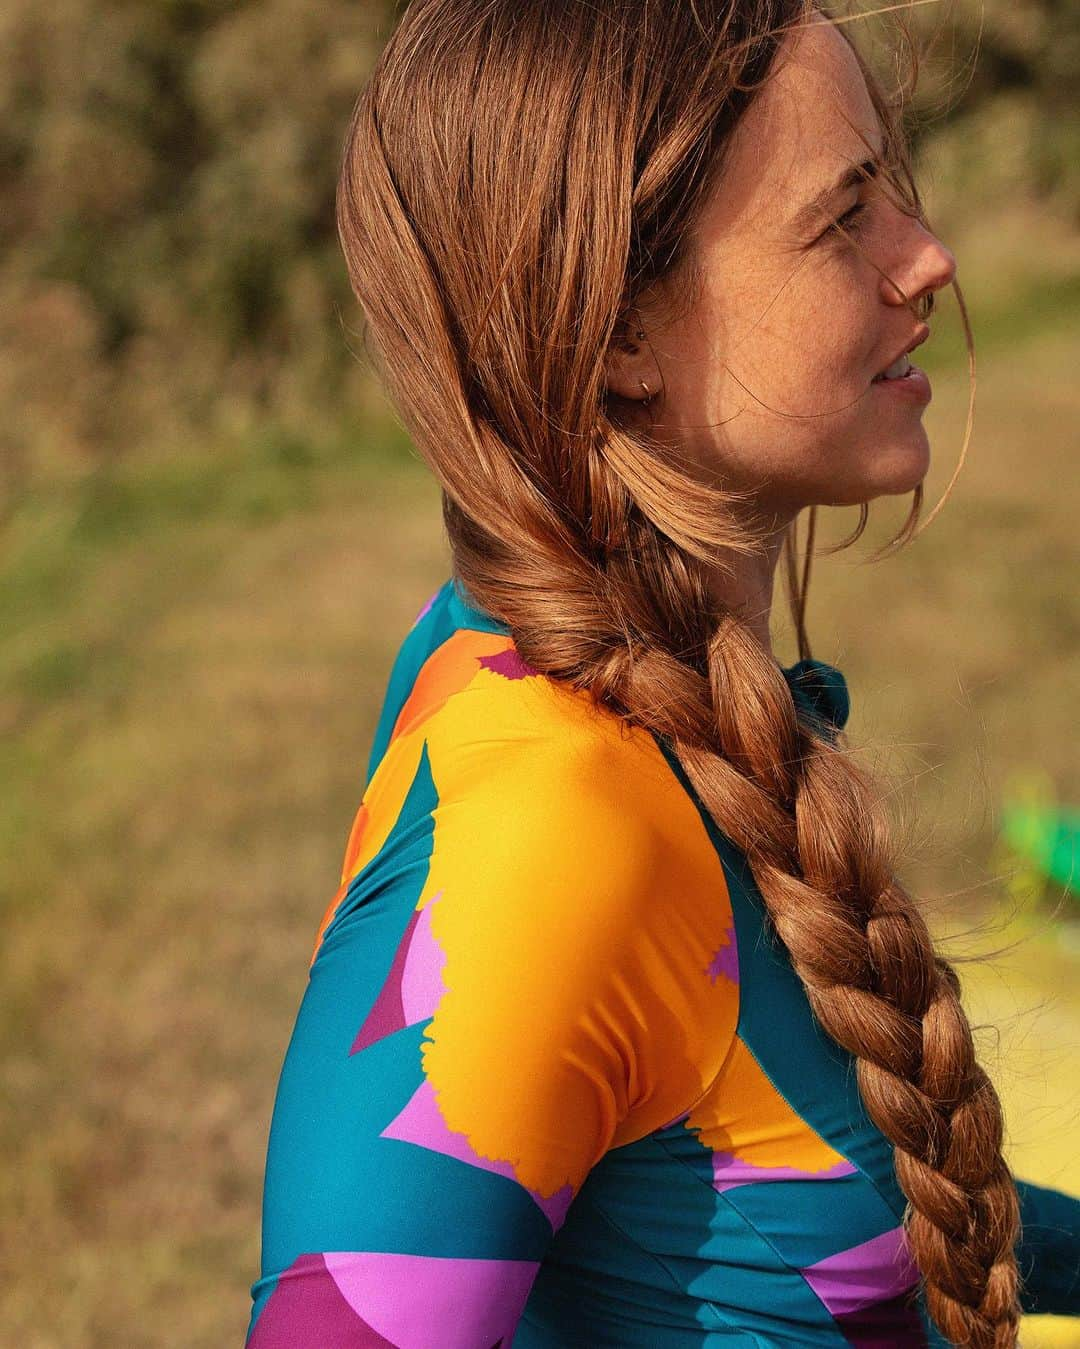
(810, 824)
(865, 956)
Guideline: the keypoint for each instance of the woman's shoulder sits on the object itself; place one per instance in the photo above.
(462, 705)
(559, 869)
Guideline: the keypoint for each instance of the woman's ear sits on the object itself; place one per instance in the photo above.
(632, 371)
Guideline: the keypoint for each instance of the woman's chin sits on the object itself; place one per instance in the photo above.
(900, 466)
(882, 470)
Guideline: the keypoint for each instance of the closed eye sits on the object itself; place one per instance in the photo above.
(848, 218)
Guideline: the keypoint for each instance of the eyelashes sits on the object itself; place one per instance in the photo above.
(848, 220)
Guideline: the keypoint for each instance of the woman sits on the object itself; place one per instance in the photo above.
(621, 1030)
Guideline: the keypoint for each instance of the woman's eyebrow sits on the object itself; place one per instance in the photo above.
(852, 176)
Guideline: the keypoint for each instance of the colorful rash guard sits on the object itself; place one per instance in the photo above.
(552, 1082)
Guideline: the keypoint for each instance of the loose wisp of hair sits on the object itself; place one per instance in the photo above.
(516, 174)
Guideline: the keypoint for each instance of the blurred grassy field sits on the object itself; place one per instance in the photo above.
(194, 653)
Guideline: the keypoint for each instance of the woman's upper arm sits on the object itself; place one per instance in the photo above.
(474, 1033)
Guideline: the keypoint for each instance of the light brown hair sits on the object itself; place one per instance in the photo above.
(516, 172)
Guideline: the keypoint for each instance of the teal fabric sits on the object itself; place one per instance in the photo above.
(1049, 1251)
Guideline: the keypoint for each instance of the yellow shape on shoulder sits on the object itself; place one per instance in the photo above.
(581, 907)
(744, 1115)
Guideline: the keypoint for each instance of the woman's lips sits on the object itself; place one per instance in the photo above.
(915, 384)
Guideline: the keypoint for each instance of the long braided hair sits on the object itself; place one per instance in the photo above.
(515, 173)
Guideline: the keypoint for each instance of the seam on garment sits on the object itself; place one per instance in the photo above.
(794, 1269)
(657, 1260)
(721, 1195)
(652, 1133)
(818, 1134)
(763, 938)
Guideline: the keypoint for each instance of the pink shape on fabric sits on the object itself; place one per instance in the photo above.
(421, 978)
(434, 1302)
(306, 1302)
(729, 1171)
(421, 1122)
(508, 664)
(874, 1271)
(413, 986)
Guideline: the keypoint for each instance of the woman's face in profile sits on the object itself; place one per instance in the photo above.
(767, 379)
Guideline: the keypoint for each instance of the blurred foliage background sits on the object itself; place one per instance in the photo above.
(213, 536)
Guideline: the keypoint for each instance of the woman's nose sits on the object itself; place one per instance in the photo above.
(928, 265)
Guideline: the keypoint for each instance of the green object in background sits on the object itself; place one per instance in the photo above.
(1043, 834)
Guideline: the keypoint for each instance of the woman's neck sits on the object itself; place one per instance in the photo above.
(745, 587)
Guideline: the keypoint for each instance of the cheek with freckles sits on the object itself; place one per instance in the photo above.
(779, 402)
(805, 351)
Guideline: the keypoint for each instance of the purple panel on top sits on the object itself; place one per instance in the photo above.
(875, 1271)
(434, 1302)
(421, 1122)
(508, 664)
(726, 960)
(729, 1171)
(307, 1307)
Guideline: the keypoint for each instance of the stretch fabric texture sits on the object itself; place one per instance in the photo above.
(552, 1081)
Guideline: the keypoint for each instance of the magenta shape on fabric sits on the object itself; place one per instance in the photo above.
(421, 1122)
(508, 664)
(893, 1324)
(387, 1014)
(434, 1302)
(421, 976)
(726, 961)
(730, 1171)
(308, 1307)
(875, 1271)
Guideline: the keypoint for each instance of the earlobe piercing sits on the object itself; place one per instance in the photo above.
(648, 396)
